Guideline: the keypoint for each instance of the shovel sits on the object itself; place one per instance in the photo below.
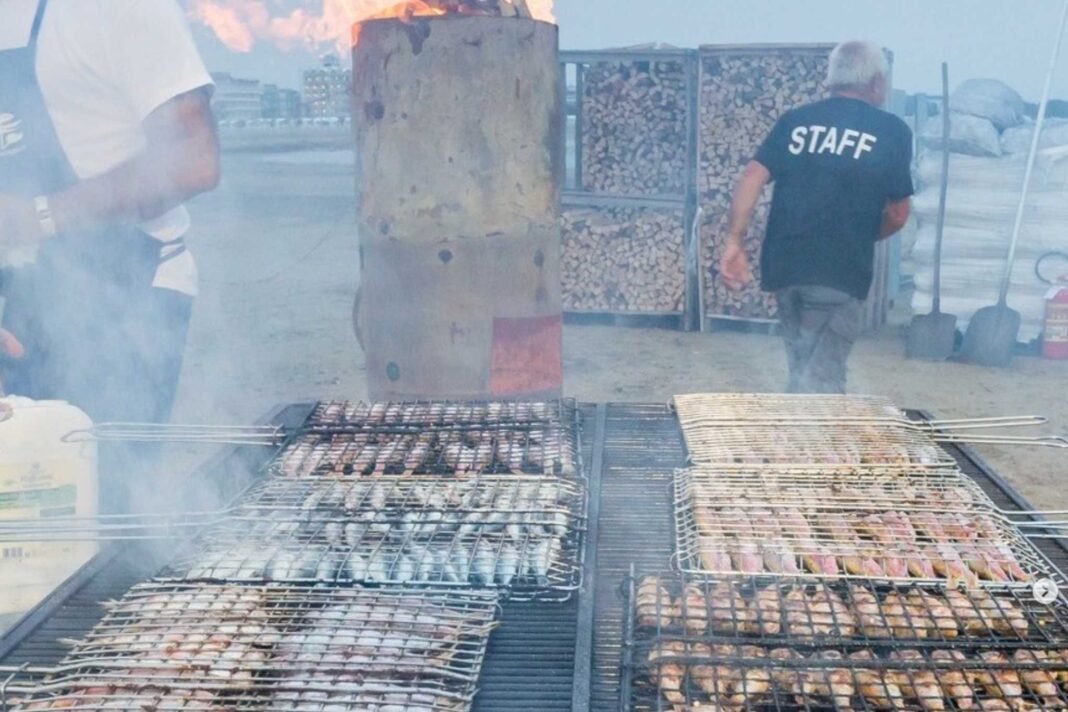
(932, 337)
(992, 332)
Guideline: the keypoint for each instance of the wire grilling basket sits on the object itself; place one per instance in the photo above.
(802, 431)
(751, 643)
(208, 647)
(698, 409)
(522, 534)
(807, 445)
(776, 611)
(905, 533)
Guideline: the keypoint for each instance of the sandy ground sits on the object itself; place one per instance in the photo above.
(278, 259)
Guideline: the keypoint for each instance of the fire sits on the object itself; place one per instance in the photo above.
(239, 24)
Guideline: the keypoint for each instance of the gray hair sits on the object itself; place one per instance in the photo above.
(855, 65)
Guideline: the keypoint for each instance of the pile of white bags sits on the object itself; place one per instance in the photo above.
(989, 147)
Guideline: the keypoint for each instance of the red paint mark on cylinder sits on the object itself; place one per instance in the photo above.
(527, 356)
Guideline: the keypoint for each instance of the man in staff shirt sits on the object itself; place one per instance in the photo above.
(842, 174)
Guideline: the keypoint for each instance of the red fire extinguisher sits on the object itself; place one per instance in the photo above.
(1055, 339)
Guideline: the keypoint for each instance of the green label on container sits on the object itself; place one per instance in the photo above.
(56, 498)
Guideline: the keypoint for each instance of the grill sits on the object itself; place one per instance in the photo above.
(520, 533)
(820, 533)
(547, 656)
(278, 649)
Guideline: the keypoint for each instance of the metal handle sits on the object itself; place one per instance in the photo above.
(943, 192)
(1057, 441)
(1006, 421)
(1031, 156)
(1041, 260)
(112, 527)
(266, 435)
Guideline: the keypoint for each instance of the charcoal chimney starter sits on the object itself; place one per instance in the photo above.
(458, 158)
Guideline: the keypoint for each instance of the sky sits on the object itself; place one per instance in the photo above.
(1009, 40)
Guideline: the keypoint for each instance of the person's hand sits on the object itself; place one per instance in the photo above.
(10, 349)
(10, 346)
(19, 226)
(734, 266)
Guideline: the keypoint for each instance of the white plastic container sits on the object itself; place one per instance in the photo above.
(41, 476)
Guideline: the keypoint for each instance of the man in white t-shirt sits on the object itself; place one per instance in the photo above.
(105, 131)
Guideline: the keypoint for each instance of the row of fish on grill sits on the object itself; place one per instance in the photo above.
(692, 676)
(809, 611)
(213, 646)
(737, 536)
(540, 450)
(812, 445)
(488, 562)
(489, 531)
(439, 413)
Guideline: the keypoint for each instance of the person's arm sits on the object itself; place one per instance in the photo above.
(179, 161)
(895, 217)
(900, 188)
(734, 264)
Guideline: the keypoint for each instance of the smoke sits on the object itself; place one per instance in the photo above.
(314, 24)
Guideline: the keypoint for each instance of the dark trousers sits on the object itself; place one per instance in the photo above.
(139, 381)
(819, 326)
(117, 355)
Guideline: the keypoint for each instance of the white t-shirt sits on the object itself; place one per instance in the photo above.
(103, 67)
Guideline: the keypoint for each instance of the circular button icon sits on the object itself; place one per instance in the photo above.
(1046, 592)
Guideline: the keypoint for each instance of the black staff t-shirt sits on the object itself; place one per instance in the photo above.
(835, 163)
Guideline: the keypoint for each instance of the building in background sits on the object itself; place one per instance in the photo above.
(236, 99)
(328, 90)
(280, 103)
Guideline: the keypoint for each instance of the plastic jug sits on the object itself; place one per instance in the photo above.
(41, 476)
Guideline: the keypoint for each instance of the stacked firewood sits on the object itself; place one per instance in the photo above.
(634, 128)
(623, 260)
(742, 95)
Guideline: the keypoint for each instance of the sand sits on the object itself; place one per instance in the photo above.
(277, 251)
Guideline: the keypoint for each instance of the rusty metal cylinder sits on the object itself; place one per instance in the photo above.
(458, 156)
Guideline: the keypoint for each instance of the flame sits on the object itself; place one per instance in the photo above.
(239, 24)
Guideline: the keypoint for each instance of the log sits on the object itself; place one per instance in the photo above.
(634, 128)
(742, 94)
(623, 260)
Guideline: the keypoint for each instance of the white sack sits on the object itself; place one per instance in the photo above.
(989, 99)
(969, 135)
(1018, 139)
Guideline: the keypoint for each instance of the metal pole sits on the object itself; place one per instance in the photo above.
(1039, 120)
(947, 128)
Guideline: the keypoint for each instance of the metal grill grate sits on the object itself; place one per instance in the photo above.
(232, 647)
(519, 533)
(777, 611)
(750, 532)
